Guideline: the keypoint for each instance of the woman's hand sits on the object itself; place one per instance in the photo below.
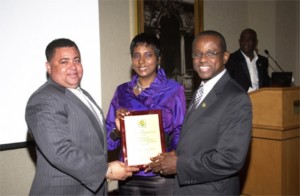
(120, 113)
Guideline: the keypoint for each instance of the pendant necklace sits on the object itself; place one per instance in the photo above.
(139, 87)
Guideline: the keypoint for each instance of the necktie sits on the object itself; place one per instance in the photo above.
(198, 97)
(90, 106)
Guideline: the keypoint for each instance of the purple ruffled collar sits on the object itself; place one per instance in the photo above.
(157, 83)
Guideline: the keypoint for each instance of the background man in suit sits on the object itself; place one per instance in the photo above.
(215, 136)
(246, 66)
(67, 126)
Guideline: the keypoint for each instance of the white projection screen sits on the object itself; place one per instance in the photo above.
(26, 27)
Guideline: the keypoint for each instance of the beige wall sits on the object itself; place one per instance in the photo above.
(16, 172)
(115, 37)
(287, 20)
(276, 22)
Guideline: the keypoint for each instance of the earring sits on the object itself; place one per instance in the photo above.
(158, 66)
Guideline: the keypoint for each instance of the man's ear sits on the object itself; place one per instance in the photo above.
(48, 67)
(226, 57)
(256, 44)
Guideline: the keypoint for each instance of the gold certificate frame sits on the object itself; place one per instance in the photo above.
(142, 137)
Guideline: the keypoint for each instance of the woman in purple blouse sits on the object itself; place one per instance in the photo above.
(148, 89)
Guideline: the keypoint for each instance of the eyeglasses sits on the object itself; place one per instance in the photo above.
(210, 54)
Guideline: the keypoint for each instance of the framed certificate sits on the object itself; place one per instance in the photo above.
(142, 137)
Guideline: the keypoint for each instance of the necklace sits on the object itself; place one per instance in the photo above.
(139, 87)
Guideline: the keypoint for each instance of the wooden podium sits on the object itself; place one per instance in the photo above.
(272, 167)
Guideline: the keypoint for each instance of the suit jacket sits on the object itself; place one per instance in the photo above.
(71, 144)
(238, 69)
(214, 142)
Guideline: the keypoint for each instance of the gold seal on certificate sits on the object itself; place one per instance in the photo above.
(142, 137)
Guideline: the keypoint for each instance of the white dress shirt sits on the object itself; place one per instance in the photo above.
(78, 92)
(253, 71)
(208, 85)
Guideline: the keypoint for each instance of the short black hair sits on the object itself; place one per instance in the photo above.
(58, 43)
(216, 34)
(149, 40)
(251, 31)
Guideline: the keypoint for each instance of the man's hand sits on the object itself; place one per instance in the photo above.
(164, 163)
(117, 170)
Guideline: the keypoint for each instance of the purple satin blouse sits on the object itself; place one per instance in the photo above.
(164, 94)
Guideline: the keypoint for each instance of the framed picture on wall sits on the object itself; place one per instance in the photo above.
(175, 23)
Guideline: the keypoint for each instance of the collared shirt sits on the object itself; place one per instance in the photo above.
(78, 92)
(253, 71)
(209, 84)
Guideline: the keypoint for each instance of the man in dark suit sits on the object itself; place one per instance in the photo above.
(246, 66)
(215, 135)
(67, 127)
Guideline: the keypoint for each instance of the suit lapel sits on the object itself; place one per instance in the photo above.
(193, 117)
(208, 101)
(259, 66)
(89, 113)
(85, 109)
(103, 125)
(244, 65)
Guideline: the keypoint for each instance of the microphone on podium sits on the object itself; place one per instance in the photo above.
(267, 53)
(284, 78)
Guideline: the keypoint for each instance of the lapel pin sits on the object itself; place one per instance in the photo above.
(203, 105)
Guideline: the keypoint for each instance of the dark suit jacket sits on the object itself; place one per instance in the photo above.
(71, 145)
(214, 142)
(238, 69)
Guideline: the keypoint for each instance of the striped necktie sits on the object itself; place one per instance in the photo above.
(199, 94)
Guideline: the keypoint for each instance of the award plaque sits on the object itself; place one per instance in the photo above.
(142, 137)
